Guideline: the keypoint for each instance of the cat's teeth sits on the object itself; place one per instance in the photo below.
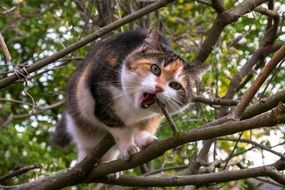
(145, 105)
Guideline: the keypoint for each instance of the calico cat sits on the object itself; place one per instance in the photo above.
(114, 90)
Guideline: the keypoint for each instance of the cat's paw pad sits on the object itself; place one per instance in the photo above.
(128, 151)
(114, 176)
(143, 139)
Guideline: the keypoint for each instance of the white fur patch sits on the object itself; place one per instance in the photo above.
(124, 107)
(83, 141)
(124, 138)
(144, 138)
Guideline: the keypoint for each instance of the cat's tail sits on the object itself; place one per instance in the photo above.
(60, 136)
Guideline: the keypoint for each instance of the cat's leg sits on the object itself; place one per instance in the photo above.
(84, 141)
(124, 137)
(145, 131)
(112, 154)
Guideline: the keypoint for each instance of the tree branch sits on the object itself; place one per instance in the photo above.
(199, 179)
(73, 175)
(218, 5)
(264, 105)
(20, 171)
(211, 102)
(167, 116)
(264, 73)
(12, 117)
(4, 48)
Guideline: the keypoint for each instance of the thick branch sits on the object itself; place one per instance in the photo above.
(221, 21)
(73, 175)
(158, 4)
(218, 5)
(264, 105)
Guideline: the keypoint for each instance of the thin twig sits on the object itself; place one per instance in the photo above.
(271, 78)
(20, 171)
(4, 48)
(12, 117)
(178, 167)
(232, 152)
(167, 116)
(208, 101)
(255, 144)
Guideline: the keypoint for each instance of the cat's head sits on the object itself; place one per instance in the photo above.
(154, 71)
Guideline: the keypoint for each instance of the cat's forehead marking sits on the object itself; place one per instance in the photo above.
(173, 67)
(141, 65)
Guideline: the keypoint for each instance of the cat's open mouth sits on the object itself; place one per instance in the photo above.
(147, 99)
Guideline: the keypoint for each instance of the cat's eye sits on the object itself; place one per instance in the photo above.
(155, 69)
(175, 85)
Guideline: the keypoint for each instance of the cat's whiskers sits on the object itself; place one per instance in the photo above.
(181, 110)
(175, 104)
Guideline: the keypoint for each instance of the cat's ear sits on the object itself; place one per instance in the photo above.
(196, 71)
(152, 40)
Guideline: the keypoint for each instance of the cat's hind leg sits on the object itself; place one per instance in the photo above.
(84, 140)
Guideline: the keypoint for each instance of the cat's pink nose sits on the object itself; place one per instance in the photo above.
(158, 89)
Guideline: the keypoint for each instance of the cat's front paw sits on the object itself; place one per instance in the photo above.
(144, 138)
(127, 151)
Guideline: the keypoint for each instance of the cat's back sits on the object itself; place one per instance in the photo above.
(116, 47)
(107, 53)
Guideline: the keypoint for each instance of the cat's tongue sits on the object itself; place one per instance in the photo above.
(147, 99)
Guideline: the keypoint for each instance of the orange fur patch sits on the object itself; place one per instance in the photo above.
(168, 73)
(173, 67)
(141, 65)
(80, 95)
(112, 60)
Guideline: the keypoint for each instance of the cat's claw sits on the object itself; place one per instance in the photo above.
(144, 139)
(128, 151)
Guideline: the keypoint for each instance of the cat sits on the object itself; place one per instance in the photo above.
(114, 91)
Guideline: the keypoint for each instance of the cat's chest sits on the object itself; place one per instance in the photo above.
(124, 108)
